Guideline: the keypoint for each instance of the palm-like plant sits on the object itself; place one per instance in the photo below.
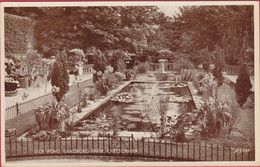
(51, 113)
(216, 116)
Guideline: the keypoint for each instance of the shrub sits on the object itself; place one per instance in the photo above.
(105, 81)
(130, 74)
(120, 76)
(82, 103)
(162, 77)
(143, 67)
(18, 34)
(185, 63)
(30, 64)
(198, 76)
(60, 77)
(187, 75)
(243, 85)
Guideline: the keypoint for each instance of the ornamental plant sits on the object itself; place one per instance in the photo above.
(105, 81)
(51, 114)
(216, 116)
(207, 85)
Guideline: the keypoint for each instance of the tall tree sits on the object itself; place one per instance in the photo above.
(60, 77)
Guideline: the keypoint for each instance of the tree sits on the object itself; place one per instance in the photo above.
(243, 85)
(60, 77)
(229, 27)
(218, 65)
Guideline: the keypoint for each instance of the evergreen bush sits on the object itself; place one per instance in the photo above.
(243, 85)
(60, 77)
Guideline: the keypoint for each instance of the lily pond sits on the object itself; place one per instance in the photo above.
(139, 107)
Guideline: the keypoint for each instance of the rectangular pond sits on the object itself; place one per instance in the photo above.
(140, 107)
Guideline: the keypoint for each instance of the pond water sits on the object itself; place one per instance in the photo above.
(139, 107)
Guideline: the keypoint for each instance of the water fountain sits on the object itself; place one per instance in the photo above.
(162, 75)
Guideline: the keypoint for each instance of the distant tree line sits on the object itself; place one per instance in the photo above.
(196, 33)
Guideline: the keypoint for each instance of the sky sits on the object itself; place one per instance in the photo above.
(169, 10)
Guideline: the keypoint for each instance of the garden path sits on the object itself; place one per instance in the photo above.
(34, 91)
(26, 121)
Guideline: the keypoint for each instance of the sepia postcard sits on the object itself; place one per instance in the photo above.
(130, 83)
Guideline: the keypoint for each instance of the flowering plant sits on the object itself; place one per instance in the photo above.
(106, 80)
(207, 85)
(55, 89)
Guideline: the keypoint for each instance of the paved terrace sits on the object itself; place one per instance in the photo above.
(34, 91)
(26, 121)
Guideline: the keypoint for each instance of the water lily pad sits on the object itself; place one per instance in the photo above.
(130, 118)
(131, 126)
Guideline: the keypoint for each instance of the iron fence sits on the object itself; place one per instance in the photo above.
(127, 147)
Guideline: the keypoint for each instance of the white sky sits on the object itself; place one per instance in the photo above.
(169, 10)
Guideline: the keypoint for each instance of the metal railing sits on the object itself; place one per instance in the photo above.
(127, 147)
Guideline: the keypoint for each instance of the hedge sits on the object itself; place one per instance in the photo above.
(18, 34)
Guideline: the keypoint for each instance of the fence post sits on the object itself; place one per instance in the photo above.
(223, 153)
(236, 155)
(87, 142)
(33, 145)
(230, 153)
(49, 143)
(193, 150)
(132, 140)
(160, 153)
(120, 146)
(211, 152)
(154, 147)
(109, 141)
(15, 147)
(242, 154)
(82, 146)
(21, 146)
(205, 151)
(217, 152)
(93, 146)
(98, 142)
(27, 147)
(171, 148)
(17, 109)
(143, 146)
(60, 144)
(137, 145)
(10, 146)
(71, 142)
(66, 143)
(199, 151)
(165, 149)
(103, 145)
(129, 142)
(148, 147)
(182, 150)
